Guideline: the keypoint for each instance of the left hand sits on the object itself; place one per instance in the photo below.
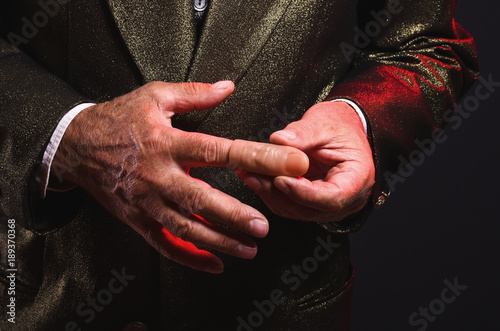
(341, 172)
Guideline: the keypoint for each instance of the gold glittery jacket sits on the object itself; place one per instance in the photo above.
(404, 65)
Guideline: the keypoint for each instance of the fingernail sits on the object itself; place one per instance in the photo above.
(245, 252)
(222, 85)
(253, 183)
(282, 186)
(258, 227)
(216, 268)
(287, 134)
(297, 163)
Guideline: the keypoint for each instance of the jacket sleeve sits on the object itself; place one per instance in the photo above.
(411, 62)
(32, 101)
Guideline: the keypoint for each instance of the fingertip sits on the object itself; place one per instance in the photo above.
(245, 251)
(223, 85)
(199, 96)
(285, 135)
(253, 183)
(258, 228)
(296, 164)
(209, 262)
(282, 185)
(217, 267)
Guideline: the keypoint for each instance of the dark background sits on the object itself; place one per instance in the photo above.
(443, 221)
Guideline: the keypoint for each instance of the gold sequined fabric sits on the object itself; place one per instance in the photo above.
(284, 56)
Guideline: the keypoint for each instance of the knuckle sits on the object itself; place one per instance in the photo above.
(225, 244)
(167, 220)
(155, 86)
(303, 128)
(210, 151)
(196, 200)
(189, 88)
(235, 216)
(159, 93)
(183, 230)
(159, 141)
(336, 207)
(153, 89)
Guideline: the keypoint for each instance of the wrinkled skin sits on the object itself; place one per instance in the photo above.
(136, 165)
(341, 169)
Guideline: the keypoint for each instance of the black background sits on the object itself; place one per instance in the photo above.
(443, 221)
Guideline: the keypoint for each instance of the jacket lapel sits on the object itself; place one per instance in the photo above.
(159, 34)
(233, 34)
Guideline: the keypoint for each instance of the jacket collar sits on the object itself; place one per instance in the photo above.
(160, 51)
(234, 32)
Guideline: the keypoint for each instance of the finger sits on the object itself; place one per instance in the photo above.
(203, 233)
(181, 231)
(341, 192)
(278, 202)
(197, 149)
(179, 250)
(183, 97)
(318, 124)
(304, 134)
(201, 199)
(193, 149)
(267, 159)
(284, 206)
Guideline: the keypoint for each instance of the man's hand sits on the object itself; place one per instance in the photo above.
(136, 165)
(341, 172)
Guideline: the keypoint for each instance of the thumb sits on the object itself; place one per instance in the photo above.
(303, 134)
(315, 128)
(186, 97)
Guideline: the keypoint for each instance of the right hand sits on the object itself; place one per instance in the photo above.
(136, 165)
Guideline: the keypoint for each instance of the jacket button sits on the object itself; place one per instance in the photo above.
(135, 326)
(200, 5)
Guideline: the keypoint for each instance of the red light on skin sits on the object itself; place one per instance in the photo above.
(187, 253)
(178, 242)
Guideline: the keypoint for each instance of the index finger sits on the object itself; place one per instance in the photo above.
(267, 159)
(341, 191)
(197, 149)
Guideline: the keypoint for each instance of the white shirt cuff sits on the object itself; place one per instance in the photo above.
(43, 171)
(362, 116)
